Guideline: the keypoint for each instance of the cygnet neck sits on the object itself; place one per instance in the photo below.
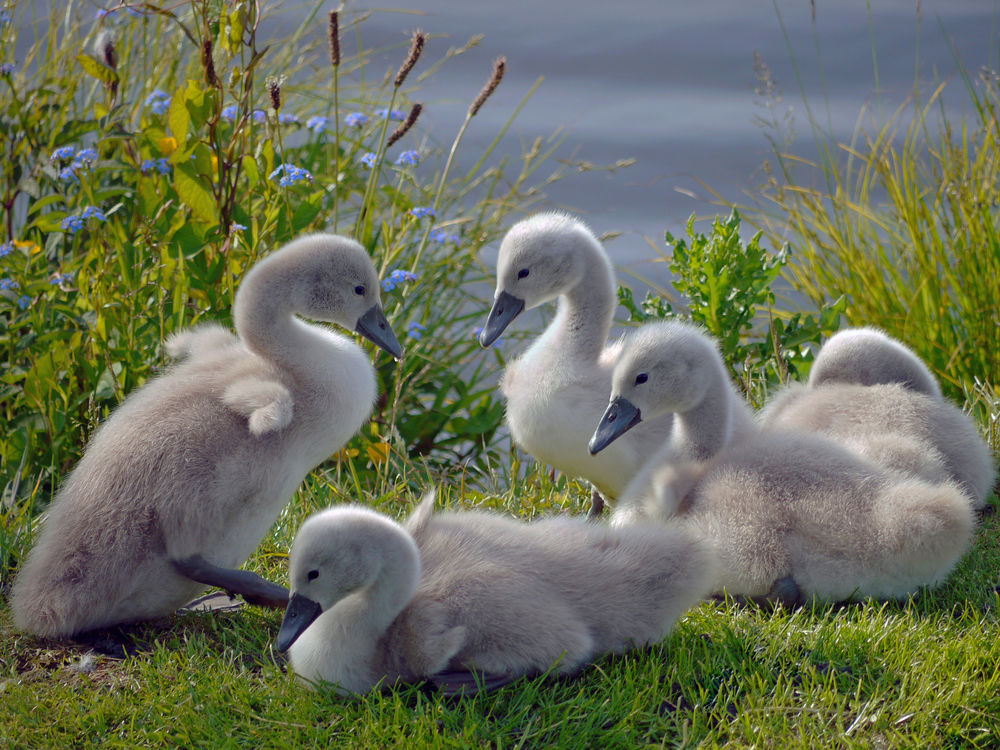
(583, 317)
(396, 582)
(700, 432)
(264, 317)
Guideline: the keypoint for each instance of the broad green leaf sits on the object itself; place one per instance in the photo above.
(97, 69)
(194, 195)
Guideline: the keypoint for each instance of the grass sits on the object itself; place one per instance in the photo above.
(925, 672)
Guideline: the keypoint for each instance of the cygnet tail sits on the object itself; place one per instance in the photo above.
(924, 531)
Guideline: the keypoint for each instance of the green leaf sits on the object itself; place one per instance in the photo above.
(178, 117)
(97, 69)
(194, 195)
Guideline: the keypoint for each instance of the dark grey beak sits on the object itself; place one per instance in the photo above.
(620, 416)
(506, 307)
(374, 327)
(299, 615)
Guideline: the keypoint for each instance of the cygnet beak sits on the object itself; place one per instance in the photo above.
(299, 615)
(506, 307)
(374, 327)
(621, 416)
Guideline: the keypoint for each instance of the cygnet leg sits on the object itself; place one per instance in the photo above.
(252, 587)
(463, 682)
(596, 505)
(785, 591)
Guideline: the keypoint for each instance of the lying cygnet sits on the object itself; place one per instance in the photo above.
(795, 515)
(191, 470)
(471, 599)
(667, 368)
(558, 389)
(875, 396)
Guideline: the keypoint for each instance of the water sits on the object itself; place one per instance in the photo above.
(671, 84)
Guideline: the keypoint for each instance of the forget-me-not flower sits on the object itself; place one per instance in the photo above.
(397, 277)
(259, 115)
(237, 227)
(61, 278)
(23, 301)
(414, 330)
(229, 113)
(68, 174)
(72, 224)
(158, 101)
(8, 284)
(6, 69)
(6, 249)
(5, 17)
(422, 211)
(440, 235)
(63, 153)
(356, 119)
(93, 212)
(85, 157)
(290, 174)
(318, 123)
(408, 158)
(161, 165)
(368, 159)
(396, 114)
(287, 118)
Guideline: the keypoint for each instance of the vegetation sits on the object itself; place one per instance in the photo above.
(134, 197)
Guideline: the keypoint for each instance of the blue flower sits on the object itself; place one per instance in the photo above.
(6, 249)
(396, 114)
(23, 301)
(409, 158)
(290, 174)
(356, 119)
(161, 165)
(368, 159)
(85, 158)
(422, 211)
(439, 235)
(6, 69)
(5, 17)
(158, 101)
(63, 153)
(72, 224)
(318, 123)
(93, 212)
(234, 227)
(259, 115)
(6, 284)
(68, 174)
(287, 118)
(229, 113)
(61, 278)
(397, 277)
(415, 329)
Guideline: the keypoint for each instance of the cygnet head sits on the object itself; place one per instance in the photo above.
(539, 260)
(663, 367)
(867, 356)
(338, 552)
(323, 277)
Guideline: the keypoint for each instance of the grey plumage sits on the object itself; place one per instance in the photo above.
(200, 461)
(873, 395)
(476, 591)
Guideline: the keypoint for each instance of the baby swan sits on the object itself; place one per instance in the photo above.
(456, 595)
(875, 396)
(557, 390)
(191, 470)
(667, 368)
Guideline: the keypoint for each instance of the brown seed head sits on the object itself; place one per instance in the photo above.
(416, 47)
(499, 67)
(110, 54)
(405, 125)
(334, 38)
(275, 91)
(208, 63)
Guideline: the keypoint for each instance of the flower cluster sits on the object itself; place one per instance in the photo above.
(161, 165)
(84, 159)
(61, 278)
(368, 159)
(440, 235)
(396, 114)
(6, 249)
(422, 211)
(397, 277)
(9, 285)
(408, 158)
(287, 118)
(318, 123)
(289, 174)
(75, 222)
(229, 113)
(415, 330)
(6, 69)
(356, 119)
(158, 101)
(259, 115)
(5, 17)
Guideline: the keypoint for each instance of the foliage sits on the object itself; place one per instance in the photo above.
(727, 284)
(902, 221)
(137, 188)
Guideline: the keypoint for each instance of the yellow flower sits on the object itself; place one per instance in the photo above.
(33, 247)
(167, 145)
(378, 453)
(345, 453)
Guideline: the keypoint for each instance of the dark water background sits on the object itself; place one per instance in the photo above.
(671, 84)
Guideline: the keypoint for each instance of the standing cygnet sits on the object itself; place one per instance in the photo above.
(794, 514)
(875, 396)
(665, 368)
(193, 468)
(460, 597)
(557, 390)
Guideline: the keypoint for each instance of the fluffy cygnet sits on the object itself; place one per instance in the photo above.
(196, 465)
(473, 598)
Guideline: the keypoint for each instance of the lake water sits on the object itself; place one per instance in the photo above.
(671, 84)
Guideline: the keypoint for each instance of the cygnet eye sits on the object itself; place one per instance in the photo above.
(523, 273)
(641, 378)
(312, 575)
(359, 290)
